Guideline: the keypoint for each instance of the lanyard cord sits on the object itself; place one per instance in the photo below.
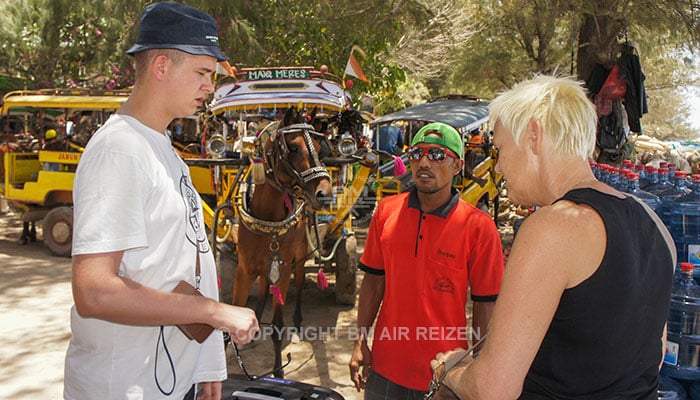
(161, 337)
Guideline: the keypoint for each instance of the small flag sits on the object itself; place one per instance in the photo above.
(224, 68)
(353, 66)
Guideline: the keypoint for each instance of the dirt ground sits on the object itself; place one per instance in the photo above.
(35, 301)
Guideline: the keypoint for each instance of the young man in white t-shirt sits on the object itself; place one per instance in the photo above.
(138, 232)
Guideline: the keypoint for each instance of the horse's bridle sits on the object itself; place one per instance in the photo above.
(274, 151)
(276, 156)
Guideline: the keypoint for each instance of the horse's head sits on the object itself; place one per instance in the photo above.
(293, 155)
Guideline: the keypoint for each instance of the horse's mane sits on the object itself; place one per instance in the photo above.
(350, 121)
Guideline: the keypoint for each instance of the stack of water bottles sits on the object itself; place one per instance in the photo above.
(677, 202)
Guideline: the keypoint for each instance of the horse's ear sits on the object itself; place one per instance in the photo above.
(289, 116)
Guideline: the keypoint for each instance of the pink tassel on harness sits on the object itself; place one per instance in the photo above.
(276, 294)
(321, 279)
(399, 166)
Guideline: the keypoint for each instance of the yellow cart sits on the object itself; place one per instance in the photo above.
(40, 183)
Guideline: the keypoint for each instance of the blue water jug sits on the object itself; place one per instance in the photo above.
(663, 184)
(641, 170)
(652, 176)
(669, 195)
(594, 168)
(604, 173)
(682, 356)
(685, 224)
(624, 185)
(672, 170)
(652, 200)
(614, 177)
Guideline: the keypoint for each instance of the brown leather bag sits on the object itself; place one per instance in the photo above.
(194, 331)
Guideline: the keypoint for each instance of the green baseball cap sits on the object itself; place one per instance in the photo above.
(449, 137)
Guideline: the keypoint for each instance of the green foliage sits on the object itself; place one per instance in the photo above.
(414, 49)
(521, 37)
(68, 43)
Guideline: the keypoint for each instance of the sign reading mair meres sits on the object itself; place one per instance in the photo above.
(260, 74)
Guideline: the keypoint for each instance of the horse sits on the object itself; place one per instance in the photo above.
(271, 237)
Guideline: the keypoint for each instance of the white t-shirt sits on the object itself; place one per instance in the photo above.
(132, 192)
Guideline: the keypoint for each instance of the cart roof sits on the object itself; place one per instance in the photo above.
(464, 113)
(25, 100)
(273, 90)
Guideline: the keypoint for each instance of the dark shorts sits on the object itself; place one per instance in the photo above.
(378, 387)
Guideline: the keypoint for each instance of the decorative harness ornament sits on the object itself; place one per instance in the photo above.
(271, 227)
(275, 151)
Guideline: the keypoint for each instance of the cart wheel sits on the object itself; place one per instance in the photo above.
(346, 271)
(58, 231)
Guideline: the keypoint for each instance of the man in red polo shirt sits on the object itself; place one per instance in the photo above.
(425, 251)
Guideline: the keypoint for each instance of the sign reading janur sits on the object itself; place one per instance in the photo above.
(261, 74)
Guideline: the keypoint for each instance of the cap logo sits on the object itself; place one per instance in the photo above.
(213, 39)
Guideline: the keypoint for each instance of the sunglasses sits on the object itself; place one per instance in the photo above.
(437, 154)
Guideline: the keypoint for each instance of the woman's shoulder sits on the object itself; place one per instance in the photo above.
(566, 220)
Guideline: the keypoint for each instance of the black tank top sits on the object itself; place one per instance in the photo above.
(605, 339)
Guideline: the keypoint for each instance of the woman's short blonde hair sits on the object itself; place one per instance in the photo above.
(561, 106)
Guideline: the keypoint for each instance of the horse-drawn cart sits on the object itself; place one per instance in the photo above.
(251, 107)
(287, 160)
(38, 181)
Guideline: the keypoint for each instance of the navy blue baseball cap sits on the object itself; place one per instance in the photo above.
(170, 25)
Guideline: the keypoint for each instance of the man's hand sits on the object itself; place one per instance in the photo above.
(239, 322)
(361, 357)
(209, 391)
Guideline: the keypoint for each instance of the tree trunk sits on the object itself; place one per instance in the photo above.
(597, 42)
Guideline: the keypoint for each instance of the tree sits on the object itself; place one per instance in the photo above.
(518, 38)
(415, 49)
(522, 37)
(63, 44)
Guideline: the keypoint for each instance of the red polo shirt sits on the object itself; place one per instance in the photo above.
(430, 261)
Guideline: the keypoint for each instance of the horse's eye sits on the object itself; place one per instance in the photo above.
(293, 149)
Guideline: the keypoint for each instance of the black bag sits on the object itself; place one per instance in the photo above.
(239, 387)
